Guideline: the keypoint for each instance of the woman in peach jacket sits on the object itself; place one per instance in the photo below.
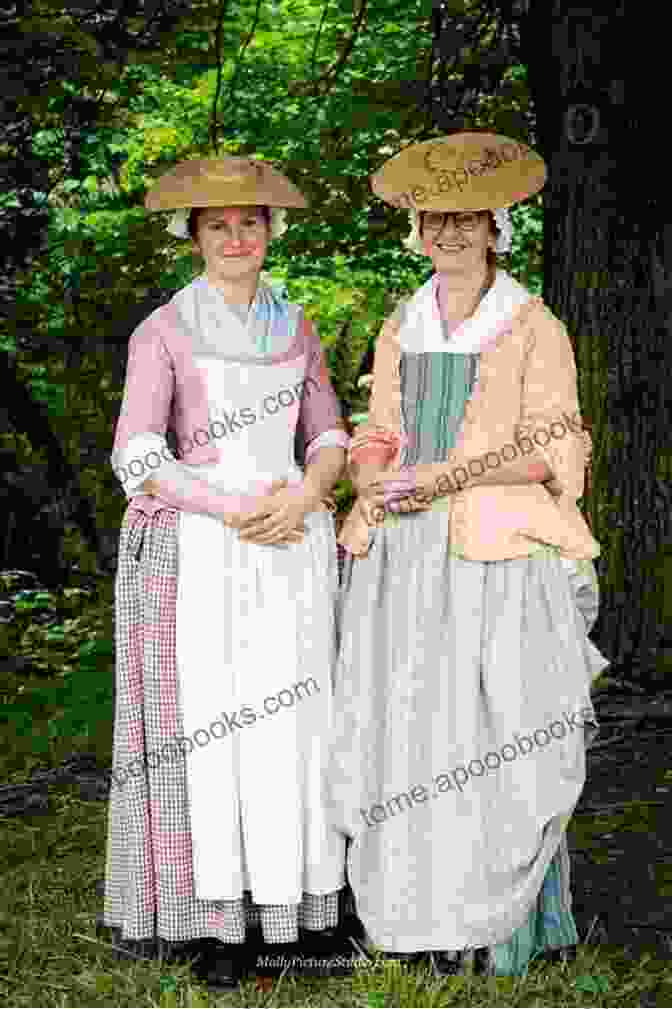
(463, 682)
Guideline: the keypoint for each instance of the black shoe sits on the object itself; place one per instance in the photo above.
(328, 953)
(446, 962)
(561, 954)
(275, 958)
(483, 962)
(449, 963)
(326, 942)
(218, 964)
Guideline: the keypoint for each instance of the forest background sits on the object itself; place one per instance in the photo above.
(101, 98)
(278, 95)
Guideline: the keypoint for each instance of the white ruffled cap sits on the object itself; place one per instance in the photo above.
(503, 222)
(178, 224)
(413, 242)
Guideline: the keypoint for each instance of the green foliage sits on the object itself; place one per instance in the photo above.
(65, 700)
(52, 394)
(526, 261)
(287, 94)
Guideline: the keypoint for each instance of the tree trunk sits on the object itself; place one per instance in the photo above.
(31, 418)
(608, 276)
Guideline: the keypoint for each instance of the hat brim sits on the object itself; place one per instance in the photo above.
(467, 171)
(223, 182)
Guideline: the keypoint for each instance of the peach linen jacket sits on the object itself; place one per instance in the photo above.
(527, 381)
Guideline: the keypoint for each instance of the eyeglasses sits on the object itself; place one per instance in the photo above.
(249, 223)
(433, 224)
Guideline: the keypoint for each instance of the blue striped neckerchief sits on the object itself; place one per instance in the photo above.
(271, 313)
(269, 317)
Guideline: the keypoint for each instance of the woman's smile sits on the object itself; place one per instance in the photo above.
(241, 254)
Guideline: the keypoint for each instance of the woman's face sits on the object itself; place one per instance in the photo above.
(232, 240)
(459, 242)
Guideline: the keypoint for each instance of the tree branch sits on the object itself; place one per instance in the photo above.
(331, 73)
(218, 87)
(318, 35)
(239, 61)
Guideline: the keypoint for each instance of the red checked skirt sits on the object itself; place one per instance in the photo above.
(149, 885)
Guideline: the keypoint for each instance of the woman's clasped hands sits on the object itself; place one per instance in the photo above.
(279, 521)
(398, 492)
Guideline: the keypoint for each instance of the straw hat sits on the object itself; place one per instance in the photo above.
(223, 182)
(465, 171)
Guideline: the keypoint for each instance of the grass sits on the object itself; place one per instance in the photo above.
(50, 954)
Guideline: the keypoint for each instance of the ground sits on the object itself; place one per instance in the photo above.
(620, 838)
(56, 697)
(621, 834)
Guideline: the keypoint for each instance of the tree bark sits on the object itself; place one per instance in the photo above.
(608, 276)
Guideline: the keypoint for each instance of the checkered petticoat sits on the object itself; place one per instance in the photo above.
(149, 876)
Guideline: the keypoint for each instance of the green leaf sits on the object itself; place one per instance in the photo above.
(592, 984)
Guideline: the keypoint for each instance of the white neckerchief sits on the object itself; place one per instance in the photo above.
(422, 330)
(220, 327)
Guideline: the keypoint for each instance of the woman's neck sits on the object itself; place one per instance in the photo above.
(460, 295)
(236, 292)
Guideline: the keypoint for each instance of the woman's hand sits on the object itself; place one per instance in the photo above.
(280, 519)
(361, 475)
(397, 492)
(371, 503)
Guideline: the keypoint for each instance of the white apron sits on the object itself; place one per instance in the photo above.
(253, 622)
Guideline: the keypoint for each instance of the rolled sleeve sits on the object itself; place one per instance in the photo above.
(142, 456)
(320, 415)
(335, 438)
(145, 408)
(380, 439)
(550, 415)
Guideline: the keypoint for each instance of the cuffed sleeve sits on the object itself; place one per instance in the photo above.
(374, 445)
(550, 415)
(147, 456)
(379, 440)
(335, 438)
(148, 392)
(320, 420)
(142, 456)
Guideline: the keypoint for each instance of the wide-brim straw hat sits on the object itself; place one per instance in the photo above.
(465, 171)
(223, 182)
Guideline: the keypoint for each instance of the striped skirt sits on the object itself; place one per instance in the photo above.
(462, 714)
